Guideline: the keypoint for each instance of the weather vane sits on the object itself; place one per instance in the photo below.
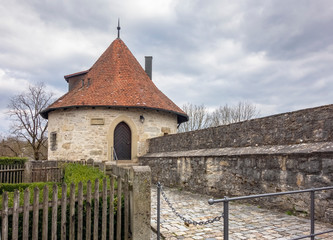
(118, 28)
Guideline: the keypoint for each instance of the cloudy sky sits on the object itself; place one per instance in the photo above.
(276, 54)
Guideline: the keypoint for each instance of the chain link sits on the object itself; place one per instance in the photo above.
(187, 221)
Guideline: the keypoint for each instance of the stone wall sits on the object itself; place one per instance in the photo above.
(278, 153)
(87, 133)
(304, 126)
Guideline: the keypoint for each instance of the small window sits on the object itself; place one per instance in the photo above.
(82, 82)
(53, 141)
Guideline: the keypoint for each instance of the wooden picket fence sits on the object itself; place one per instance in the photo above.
(34, 171)
(84, 221)
(12, 173)
(43, 171)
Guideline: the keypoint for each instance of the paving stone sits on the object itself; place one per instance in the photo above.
(245, 222)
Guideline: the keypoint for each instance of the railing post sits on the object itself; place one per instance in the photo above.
(158, 209)
(226, 219)
(312, 194)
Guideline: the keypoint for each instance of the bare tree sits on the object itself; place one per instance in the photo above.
(28, 125)
(10, 147)
(220, 116)
(198, 117)
(232, 114)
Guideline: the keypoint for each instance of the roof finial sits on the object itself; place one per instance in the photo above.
(118, 28)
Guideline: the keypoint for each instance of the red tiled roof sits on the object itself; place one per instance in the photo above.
(116, 80)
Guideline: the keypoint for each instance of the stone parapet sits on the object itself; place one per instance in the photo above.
(305, 148)
(303, 126)
(283, 152)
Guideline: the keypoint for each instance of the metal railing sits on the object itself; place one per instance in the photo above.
(114, 154)
(312, 191)
(186, 220)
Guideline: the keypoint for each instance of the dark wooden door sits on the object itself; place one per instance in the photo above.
(122, 141)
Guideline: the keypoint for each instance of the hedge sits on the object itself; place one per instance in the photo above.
(11, 187)
(12, 160)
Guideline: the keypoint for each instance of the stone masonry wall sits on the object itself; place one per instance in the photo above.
(303, 126)
(250, 158)
(84, 133)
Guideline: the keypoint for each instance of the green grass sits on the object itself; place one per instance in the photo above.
(75, 173)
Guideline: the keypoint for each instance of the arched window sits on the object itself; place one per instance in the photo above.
(122, 141)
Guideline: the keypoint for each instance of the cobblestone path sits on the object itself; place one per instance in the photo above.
(246, 221)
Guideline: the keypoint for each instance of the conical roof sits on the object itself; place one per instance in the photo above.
(116, 80)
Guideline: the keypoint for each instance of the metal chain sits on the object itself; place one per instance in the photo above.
(187, 221)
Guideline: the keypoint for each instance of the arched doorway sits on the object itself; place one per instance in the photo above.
(122, 141)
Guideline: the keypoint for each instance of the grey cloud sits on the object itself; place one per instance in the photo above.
(288, 29)
(189, 43)
(76, 13)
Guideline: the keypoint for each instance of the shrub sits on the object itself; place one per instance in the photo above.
(12, 160)
(11, 187)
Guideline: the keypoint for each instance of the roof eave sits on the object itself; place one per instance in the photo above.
(180, 117)
(75, 74)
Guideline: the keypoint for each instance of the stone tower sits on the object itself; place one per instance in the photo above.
(110, 111)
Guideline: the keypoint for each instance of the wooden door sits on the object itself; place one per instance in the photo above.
(122, 141)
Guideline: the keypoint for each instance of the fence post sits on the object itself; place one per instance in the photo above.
(54, 211)
(104, 211)
(111, 207)
(88, 209)
(35, 214)
(15, 218)
(26, 214)
(45, 212)
(126, 207)
(80, 211)
(27, 176)
(72, 212)
(96, 209)
(63, 211)
(4, 233)
(119, 193)
(141, 202)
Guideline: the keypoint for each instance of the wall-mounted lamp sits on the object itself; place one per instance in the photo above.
(142, 118)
